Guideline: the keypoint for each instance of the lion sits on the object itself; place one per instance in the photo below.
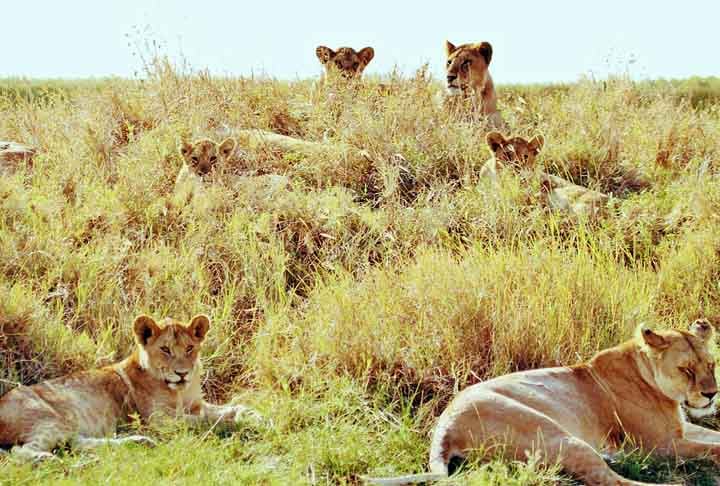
(161, 377)
(520, 155)
(514, 152)
(468, 77)
(569, 415)
(200, 159)
(346, 62)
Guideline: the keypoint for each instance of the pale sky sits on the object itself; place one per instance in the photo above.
(533, 41)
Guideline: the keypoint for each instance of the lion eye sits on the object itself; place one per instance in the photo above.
(189, 349)
(165, 350)
(466, 64)
(449, 62)
(213, 159)
(195, 159)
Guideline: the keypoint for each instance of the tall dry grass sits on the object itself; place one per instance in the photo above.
(368, 293)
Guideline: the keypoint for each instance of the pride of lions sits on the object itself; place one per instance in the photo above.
(640, 390)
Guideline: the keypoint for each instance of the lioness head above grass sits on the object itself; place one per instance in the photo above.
(345, 61)
(202, 155)
(467, 66)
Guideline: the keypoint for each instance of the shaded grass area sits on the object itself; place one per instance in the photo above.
(352, 305)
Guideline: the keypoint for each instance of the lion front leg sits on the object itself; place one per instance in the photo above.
(89, 443)
(701, 434)
(229, 413)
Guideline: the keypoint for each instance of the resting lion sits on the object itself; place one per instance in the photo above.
(162, 376)
(570, 414)
(559, 194)
(468, 77)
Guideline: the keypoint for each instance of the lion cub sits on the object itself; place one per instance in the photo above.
(559, 194)
(346, 62)
(200, 159)
(568, 415)
(162, 376)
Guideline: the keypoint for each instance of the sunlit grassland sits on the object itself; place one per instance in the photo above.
(350, 307)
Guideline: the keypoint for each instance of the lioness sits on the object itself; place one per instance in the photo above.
(161, 376)
(569, 414)
(346, 62)
(468, 77)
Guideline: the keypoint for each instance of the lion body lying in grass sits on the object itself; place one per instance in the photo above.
(569, 414)
(519, 154)
(162, 376)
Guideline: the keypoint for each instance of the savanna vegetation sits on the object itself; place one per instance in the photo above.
(350, 305)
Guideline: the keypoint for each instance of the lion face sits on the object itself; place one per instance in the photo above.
(683, 367)
(202, 155)
(170, 351)
(345, 61)
(516, 150)
(467, 66)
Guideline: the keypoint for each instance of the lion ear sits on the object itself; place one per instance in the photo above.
(653, 339)
(366, 54)
(702, 329)
(536, 143)
(146, 329)
(495, 141)
(449, 48)
(199, 326)
(226, 147)
(486, 51)
(324, 54)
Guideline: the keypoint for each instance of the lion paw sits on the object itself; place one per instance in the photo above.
(140, 440)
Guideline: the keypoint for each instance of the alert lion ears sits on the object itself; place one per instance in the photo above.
(482, 48)
(199, 326)
(366, 54)
(702, 329)
(536, 143)
(146, 329)
(485, 50)
(495, 141)
(449, 48)
(226, 147)
(653, 340)
(324, 54)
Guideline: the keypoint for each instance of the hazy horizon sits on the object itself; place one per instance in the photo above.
(532, 43)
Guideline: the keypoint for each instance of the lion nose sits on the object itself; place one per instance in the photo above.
(182, 374)
(709, 395)
(451, 78)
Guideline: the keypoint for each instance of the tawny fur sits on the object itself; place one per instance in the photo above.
(519, 154)
(468, 77)
(569, 415)
(162, 376)
(345, 61)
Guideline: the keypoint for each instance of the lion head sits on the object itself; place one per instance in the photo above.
(516, 150)
(467, 66)
(170, 351)
(201, 156)
(682, 365)
(345, 61)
